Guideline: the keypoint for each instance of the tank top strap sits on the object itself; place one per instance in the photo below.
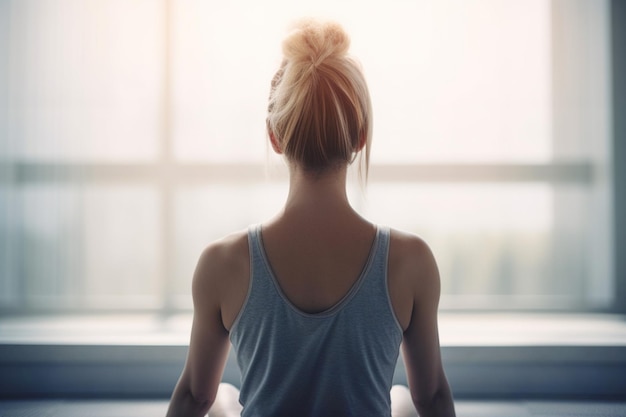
(379, 256)
(260, 271)
(254, 241)
(382, 252)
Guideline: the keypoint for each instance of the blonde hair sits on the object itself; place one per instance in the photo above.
(319, 109)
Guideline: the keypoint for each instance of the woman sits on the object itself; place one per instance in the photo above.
(317, 301)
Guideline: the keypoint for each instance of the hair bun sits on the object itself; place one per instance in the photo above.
(313, 41)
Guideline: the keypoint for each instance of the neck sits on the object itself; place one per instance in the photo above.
(317, 195)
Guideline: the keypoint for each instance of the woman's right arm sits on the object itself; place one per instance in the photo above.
(421, 351)
(196, 389)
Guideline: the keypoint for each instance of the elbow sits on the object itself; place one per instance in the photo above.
(200, 401)
(437, 403)
(197, 402)
(425, 405)
(185, 403)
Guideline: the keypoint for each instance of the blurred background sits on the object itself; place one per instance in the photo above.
(132, 134)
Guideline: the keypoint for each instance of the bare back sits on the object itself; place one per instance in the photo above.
(316, 266)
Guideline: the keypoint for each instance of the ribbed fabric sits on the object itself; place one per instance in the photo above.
(339, 362)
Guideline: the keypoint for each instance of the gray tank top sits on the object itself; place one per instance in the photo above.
(339, 362)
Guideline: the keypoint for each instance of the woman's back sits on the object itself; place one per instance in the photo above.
(338, 361)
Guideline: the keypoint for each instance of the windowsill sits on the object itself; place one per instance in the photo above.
(530, 329)
(132, 329)
(455, 330)
(485, 355)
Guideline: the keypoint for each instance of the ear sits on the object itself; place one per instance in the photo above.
(362, 142)
(274, 142)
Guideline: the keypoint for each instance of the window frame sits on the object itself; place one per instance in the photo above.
(618, 62)
(167, 173)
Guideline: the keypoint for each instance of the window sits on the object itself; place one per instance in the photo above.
(132, 134)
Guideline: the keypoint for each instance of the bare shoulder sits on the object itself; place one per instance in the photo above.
(409, 253)
(413, 277)
(226, 252)
(408, 243)
(221, 265)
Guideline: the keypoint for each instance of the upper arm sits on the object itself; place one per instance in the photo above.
(209, 344)
(420, 346)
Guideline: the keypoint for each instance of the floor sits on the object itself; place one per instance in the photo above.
(131, 408)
